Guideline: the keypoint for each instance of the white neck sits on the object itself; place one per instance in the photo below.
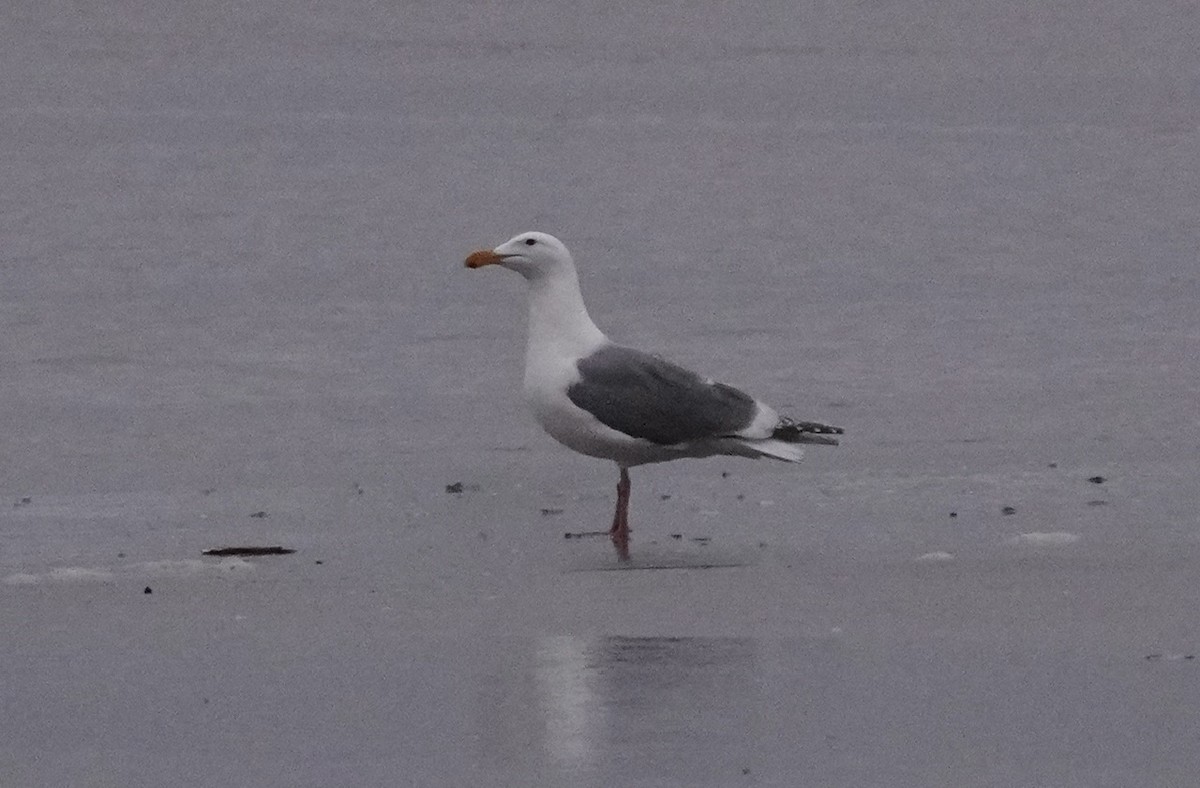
(559, 323)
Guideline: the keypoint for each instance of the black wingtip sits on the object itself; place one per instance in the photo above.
(806, 432)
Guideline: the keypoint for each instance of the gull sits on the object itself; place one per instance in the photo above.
(609, 401)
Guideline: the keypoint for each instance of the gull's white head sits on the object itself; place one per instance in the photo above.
(532, 255)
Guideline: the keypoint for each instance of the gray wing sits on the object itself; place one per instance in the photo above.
(644, 396)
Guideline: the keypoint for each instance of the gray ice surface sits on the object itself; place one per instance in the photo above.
(231, 238)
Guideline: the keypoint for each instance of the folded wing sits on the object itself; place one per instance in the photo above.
(647, 397)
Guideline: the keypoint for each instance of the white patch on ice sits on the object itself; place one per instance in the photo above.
(190, 566)
(160, 568)
(62, 574)
(938, 556)
(1045, 538)
(232, 565)
(103, 574)
(1170, 657)
(79, 574)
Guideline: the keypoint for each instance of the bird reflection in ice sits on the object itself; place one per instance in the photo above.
(679, 707)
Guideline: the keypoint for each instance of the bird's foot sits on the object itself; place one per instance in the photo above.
(620, 540)
(619, 533)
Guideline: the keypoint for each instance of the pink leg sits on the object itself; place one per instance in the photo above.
(620, 524)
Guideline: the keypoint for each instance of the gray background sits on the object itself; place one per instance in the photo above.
(230, 282)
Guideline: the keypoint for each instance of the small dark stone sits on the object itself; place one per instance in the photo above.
(549, 512)
(1097, 479)
(954, 514)
(456, 487)
(120, 555)
(1008, 510)
(568, 535)
(676, 536)
(1053, 465)
(724, 474)
(259, 515)
(664, 497)
(147, 590)
(741, 497)
(318, 562)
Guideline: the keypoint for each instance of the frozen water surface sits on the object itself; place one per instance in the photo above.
(234, 313)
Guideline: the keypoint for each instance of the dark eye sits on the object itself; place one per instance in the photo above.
(530, 241)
